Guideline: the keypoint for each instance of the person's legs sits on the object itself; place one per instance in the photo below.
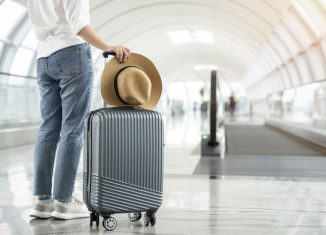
(46, 141)
(48, 135)
(75, 71)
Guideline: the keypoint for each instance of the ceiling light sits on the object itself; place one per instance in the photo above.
(178, 37)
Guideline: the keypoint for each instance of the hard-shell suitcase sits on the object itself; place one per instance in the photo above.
(123, 164)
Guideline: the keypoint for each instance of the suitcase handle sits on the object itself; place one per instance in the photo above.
(108, 53)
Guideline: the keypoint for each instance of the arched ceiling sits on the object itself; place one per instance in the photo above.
(238, 27)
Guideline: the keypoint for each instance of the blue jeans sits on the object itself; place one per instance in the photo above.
(65, 80)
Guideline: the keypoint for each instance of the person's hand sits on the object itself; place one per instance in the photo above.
(122, 53)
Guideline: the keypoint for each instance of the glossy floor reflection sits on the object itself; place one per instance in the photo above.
(235, 199)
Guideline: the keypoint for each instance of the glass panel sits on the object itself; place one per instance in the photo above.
(270, 84)
(282, 82)
(30, 40)
(281, 79)
(11, 12)
(316, 61)
(278, 81)
(304, 69)
(1, 47)
(19, 103)
(271, 52)
(322, 46)
(298, 28)
(295, 79)
(315, 12)
(285, 35)
(285, 77)
(303, 105)
(22, 61)
(34, 69)
(279, 47)
(269, 63)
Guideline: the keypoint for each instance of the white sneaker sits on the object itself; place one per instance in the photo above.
(43, 209)
(70, 210)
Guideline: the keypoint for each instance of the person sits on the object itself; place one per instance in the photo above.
(232, 103)
(64, 73)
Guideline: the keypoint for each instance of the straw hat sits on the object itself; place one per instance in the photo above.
(136, 82)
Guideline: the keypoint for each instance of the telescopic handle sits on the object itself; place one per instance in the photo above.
(108, 53)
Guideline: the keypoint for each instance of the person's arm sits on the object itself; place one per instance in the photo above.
(90, 36)
(77, 14)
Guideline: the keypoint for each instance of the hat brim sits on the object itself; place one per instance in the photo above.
(112, 67)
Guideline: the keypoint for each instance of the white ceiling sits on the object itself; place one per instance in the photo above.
(239, 28)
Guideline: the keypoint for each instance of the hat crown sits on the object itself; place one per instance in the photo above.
(139, 74)
(134, 86)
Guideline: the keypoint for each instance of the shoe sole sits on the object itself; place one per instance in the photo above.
(67, 216)
(39, 214)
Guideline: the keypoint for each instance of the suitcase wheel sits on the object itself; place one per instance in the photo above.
(110, 223)
(149, 219)
(153, 220)
(135, 216)
(94, 217)
(97, 219)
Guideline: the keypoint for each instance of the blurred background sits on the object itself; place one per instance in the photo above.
(270, 58)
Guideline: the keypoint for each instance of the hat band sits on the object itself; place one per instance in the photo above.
(116, 89)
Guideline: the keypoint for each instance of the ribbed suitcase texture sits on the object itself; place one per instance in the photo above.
(123, 161)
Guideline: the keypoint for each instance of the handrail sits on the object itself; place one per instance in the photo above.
(17, 75)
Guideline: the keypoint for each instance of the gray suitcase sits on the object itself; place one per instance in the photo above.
(123, 164)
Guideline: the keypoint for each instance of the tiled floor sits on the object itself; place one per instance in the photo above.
(238, 195)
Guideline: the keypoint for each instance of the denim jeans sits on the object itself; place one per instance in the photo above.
(65, 82)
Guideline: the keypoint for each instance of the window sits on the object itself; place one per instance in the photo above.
(30, 41)
(316, 61)
(11, 12)
(271, 84)
(298, 28)
(294, 76)
(22, 62)
(1, 48)
(285, 77)
(304, 69)
(277, 81)
(33, 73)
(269, 64)
(287, 38)
(270, 52)
(279, 47)
(280, 79)
(315, 12)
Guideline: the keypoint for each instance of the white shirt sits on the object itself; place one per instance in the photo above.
(57, 23)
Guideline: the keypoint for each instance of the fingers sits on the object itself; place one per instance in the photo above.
(125, 54)
(129, 52)
(122, 53)
(119, 53)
